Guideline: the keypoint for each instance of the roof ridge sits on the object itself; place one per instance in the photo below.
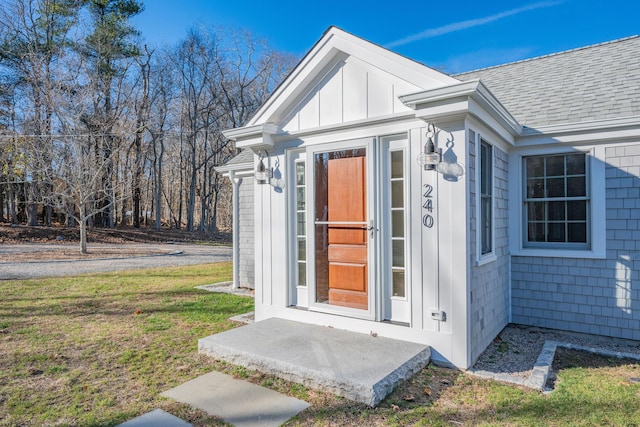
(549, 55)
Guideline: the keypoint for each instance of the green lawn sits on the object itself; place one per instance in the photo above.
(98, 349)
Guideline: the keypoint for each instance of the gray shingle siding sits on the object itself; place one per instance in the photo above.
(246, 229)
(489, 283)
(598, 296)
(590, 83)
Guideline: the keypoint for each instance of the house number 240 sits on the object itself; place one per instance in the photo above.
(427, 219)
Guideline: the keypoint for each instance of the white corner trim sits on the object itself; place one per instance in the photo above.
(235, 218)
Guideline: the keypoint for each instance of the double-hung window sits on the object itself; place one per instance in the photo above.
(556, 201)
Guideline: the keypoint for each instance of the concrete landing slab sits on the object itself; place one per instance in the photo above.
(156, 418)
(357, 366)
(237, 402)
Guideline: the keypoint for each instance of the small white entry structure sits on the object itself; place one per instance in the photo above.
(394, 199)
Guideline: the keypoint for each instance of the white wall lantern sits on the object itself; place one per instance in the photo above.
(432, 158)
(263, 174)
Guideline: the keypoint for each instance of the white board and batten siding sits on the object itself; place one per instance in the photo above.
(352, 90)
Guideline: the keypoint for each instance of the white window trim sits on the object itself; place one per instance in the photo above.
(597, 205)
(389, 144)
(482, 259)
(298, 295)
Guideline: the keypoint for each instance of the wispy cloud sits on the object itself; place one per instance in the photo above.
(483, 58)
(463, 25)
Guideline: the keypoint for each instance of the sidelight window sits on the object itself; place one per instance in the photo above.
(397, 212)
(301, 222)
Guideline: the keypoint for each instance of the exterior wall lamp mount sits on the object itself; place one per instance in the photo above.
(431, 155)
(263, 174)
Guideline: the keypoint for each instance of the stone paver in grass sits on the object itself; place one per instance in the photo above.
(156, 418)
(237, 402)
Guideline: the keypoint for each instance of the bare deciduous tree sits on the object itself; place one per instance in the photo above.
(93, 126)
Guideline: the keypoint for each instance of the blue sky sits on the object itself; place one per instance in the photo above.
(452, 36)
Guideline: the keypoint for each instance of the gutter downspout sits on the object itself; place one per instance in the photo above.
(235, 183)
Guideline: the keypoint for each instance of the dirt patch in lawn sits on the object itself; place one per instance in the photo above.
(39, 234)
(567, 358)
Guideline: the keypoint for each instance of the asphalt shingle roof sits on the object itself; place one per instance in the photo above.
(590, 83)
(245, 158)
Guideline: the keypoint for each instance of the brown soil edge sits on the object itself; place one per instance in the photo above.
(11, 234)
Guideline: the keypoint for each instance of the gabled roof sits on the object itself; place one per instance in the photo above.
(591, 83)
(335, 45)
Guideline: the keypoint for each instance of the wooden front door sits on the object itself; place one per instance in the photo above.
(347, 234)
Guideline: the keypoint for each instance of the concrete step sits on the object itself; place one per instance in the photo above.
(359, 367)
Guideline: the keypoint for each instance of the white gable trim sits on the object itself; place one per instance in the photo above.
(332, 47)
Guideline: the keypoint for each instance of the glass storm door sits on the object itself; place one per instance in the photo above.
(341, 234)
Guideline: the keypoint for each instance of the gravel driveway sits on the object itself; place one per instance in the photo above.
(151, 256)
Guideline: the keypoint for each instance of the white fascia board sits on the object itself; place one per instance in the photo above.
(444, 110)
(254, 137)
(416, 100)
(584, 133)
(369, 123)
(469, 97)
(238, 168)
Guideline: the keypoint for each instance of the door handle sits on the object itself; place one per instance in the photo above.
(371, 228)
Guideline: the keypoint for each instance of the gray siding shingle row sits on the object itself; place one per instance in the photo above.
(591, 83)
(246, 229)
(489, 283)
(598, 296)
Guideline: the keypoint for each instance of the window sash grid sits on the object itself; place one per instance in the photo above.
(546, 228)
